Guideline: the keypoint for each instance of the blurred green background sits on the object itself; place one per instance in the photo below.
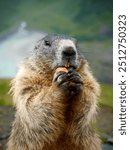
(90, 21)
(84, 19)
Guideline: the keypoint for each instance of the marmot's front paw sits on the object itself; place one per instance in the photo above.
(75, 82)
(68, 80)
(60, 76)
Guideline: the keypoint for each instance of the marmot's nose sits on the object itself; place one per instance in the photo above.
(69, 51)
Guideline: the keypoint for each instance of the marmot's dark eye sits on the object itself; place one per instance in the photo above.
(47, 43)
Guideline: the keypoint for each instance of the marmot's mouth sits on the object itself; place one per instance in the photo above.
(67, 65)
(70, 65)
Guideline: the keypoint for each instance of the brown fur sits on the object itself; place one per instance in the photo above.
(46, 118)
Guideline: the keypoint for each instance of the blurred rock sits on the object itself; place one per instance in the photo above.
(6, 118)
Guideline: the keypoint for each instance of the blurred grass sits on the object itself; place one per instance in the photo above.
(5, 98)
(106, 95)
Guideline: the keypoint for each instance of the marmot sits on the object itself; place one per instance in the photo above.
(55, 95)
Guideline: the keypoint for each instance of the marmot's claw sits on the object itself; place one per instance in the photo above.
(73, 76)
(76, 79)
(60, 77)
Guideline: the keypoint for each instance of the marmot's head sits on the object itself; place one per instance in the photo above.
(60, 50)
